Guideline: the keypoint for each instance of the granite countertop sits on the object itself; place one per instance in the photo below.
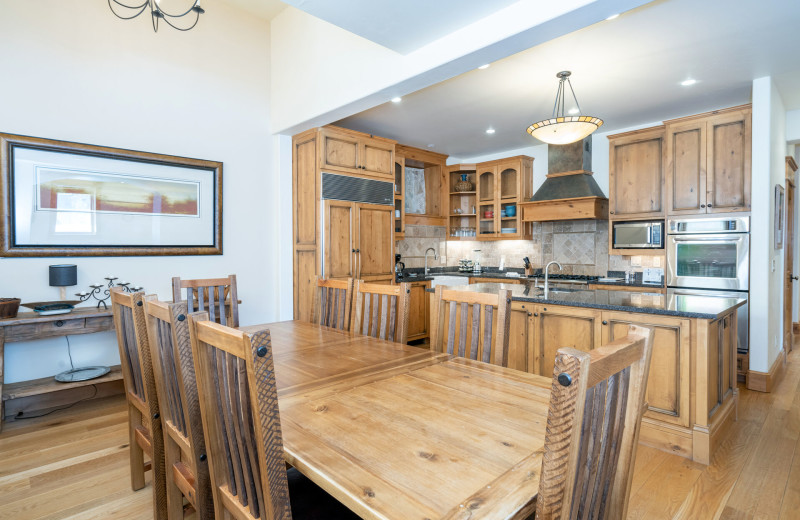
(501, 275)
(703, 307)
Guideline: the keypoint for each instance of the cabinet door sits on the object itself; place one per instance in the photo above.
(509, 176)
(377, 157)
(728, 170)
(668, 381)
(418, 312)
(487, 201)
(520, 344)
(558, 327)
(636, 175)
(339, 258)
(686, 168)
(340, 151)
(375, 242)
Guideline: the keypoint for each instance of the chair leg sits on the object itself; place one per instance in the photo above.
(159, 471)
(136, 452)
(174, 494)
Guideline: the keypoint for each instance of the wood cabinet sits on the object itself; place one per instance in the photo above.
(709, 162)
(521, 333)
(362, 242)
(500, 186)
(359, 241)
(462, 218)
(668, 382)
(356, 153)
(399, 197)
(636, 174)
(429, 191)
(418, 311)
(556, 327)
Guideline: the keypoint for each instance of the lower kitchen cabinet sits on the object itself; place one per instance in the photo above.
(538, 331)
(668, 382)
(418, 311)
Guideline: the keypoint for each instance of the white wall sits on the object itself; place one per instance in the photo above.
(73, 71)
(766, 263)
(793, 127)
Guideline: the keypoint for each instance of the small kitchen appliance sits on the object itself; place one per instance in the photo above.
(399, 266)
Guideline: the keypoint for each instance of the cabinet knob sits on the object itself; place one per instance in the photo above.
(529, 314)
(358, 250)
(353, 250)
(605, 322)
(611, 212)
(544, 309)
(60, 323)
(536, 314)
(702, 205)
(709, 205)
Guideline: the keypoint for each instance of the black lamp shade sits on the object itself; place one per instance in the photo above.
(63, 275)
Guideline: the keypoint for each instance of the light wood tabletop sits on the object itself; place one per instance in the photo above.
(398, 432)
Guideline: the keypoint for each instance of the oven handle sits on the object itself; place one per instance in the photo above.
(726, 238)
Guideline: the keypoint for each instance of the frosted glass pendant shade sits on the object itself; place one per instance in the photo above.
(564, 130)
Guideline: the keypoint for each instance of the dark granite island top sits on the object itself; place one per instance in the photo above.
(702, 307)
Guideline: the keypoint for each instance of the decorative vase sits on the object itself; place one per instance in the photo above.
(463, 184)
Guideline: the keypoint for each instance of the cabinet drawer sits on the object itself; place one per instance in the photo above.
(45, 329)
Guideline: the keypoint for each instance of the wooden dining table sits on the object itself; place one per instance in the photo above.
(399, 432)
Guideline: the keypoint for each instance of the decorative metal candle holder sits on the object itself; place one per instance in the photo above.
(102, 292)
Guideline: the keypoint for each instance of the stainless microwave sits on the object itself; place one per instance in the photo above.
(638, 235)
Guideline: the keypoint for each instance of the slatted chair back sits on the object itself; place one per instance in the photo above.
(596, 407)
(381, 310)
(472, 325)
(144, 423)
(217, 296)
(173, 366)
(332, 303)
(241, 422)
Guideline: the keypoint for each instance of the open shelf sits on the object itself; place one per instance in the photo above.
(462, 192)
(46, 385)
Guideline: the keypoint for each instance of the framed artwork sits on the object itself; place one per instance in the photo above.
(69, 199)
(779, 216)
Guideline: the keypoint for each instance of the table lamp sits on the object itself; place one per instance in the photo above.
(63, 276)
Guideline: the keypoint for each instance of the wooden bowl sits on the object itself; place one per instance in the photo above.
(9, 307)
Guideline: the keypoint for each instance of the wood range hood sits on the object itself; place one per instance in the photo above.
(569, 192)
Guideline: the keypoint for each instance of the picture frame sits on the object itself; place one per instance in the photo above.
(779, 216)
(61, 198)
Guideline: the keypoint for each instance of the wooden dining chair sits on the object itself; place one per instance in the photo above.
(596, 406)
(472, 325)
(332, 303)
(184, 444)
(217, 296)
(381, 310)
(144, 420)
(242, 427)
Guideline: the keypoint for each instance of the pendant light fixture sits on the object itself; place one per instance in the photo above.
(157, 13)
(563, 128)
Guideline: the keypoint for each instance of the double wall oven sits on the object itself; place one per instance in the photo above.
(711, 257)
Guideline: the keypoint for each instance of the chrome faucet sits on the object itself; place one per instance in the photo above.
(547, 276)
(426, 258)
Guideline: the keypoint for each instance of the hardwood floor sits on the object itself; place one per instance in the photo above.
(73, 464)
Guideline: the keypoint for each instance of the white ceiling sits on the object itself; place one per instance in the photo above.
(264, 9)
(402, 26)
(626, 71)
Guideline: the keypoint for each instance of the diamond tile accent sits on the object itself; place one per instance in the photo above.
(574, 248)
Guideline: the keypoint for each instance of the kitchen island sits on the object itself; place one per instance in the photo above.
(691, 393)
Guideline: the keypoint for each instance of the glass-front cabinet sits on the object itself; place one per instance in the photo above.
(490, 212)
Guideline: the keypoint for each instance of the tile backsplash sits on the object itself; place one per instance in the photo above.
(580, 246)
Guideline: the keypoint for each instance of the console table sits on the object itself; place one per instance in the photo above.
(30, 326)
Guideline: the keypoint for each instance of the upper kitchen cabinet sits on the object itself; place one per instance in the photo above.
(356, 153)
(636, 174)
(708, 162)
(500, 186)
(424, 184)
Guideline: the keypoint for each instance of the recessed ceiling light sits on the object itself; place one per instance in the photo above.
(397, 99)
(490, 130)
(484, 66)
(688, 82)
(573, 111)
(615, 15)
